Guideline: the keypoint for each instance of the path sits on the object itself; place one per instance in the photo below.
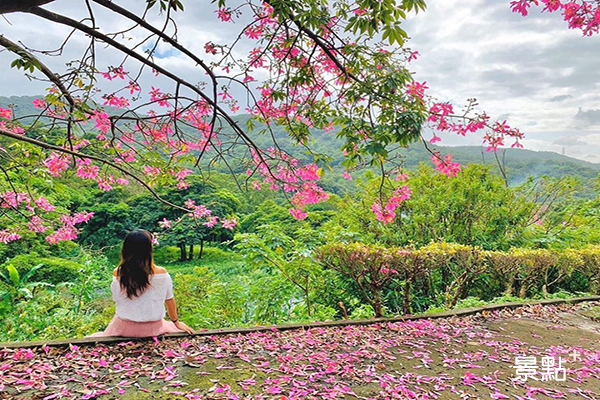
(462, 357)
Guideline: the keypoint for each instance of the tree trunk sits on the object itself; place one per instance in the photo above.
(510, 286)
(377, 306)
(201, 249)
(406, 305)
(523, 291)
(191, 255)
(183, 253)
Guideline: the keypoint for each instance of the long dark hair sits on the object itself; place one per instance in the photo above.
(136, 264)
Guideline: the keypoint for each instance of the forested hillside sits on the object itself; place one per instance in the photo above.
(519, 164)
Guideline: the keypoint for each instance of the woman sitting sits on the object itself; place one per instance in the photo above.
(141, 290)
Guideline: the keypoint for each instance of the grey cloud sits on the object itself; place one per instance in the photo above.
(570, 141)
(560, 98)
(587, 118)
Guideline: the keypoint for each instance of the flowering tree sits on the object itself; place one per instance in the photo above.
(579, 14)
(338, 66)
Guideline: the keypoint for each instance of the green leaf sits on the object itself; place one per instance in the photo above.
(13, 274)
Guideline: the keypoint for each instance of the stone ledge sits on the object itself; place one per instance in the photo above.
(284, 327)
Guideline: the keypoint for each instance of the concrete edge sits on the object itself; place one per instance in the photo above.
(284, 327)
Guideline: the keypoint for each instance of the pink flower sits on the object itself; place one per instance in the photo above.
(115, 101)
(413, 56)
(402, 177)
(133, 87)
(56, 164)
(224, 14)
(435, 139)
(44, 204)
(298, 213)
(210, 48)
(6, 236)
(521, 6)
(36, 225)
(102, 121)
(229, 223)
(383, 214)
(346, 175)
(5, 113)
(212, 221)
(39, 103)
(416, 89)
(165, 223)
(445, 166)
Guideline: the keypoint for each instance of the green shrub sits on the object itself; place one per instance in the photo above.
(166, 254)
(54, 269)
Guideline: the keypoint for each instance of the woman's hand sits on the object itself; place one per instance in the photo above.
(180, 325)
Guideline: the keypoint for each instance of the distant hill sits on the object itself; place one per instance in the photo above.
(518, 163)
(20, 104)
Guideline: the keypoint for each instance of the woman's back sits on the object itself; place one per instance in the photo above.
(148, 306)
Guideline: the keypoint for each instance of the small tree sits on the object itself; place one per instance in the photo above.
(504, 267)
(291, 255)
(371, 267)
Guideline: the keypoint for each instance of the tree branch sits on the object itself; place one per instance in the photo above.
(61, 19)
(20, 51)
(8, 6)
(48, 146)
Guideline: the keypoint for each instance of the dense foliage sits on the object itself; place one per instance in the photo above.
(448, 247)
(298, 246)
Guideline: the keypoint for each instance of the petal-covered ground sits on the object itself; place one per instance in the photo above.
(469, 357)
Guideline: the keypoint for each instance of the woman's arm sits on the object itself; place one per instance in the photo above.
(172, 311)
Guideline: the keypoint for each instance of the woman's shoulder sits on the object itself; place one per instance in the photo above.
(159, 270)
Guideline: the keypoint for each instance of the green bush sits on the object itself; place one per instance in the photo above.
(166, 254)
(54, 270)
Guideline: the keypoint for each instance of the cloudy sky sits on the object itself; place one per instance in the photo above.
(533, 72)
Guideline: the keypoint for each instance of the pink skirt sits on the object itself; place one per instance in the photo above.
(122, 327)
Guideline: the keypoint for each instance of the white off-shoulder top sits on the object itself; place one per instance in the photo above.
(150, 305)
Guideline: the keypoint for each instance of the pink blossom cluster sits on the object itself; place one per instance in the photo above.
(442, 119)
(7, 123)
(579, 14)
(7, 236)
(34, 205)
(387, 214)
(114, 72)
(445, 165)
(199, 212)
(281, 171)
(68, 231)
